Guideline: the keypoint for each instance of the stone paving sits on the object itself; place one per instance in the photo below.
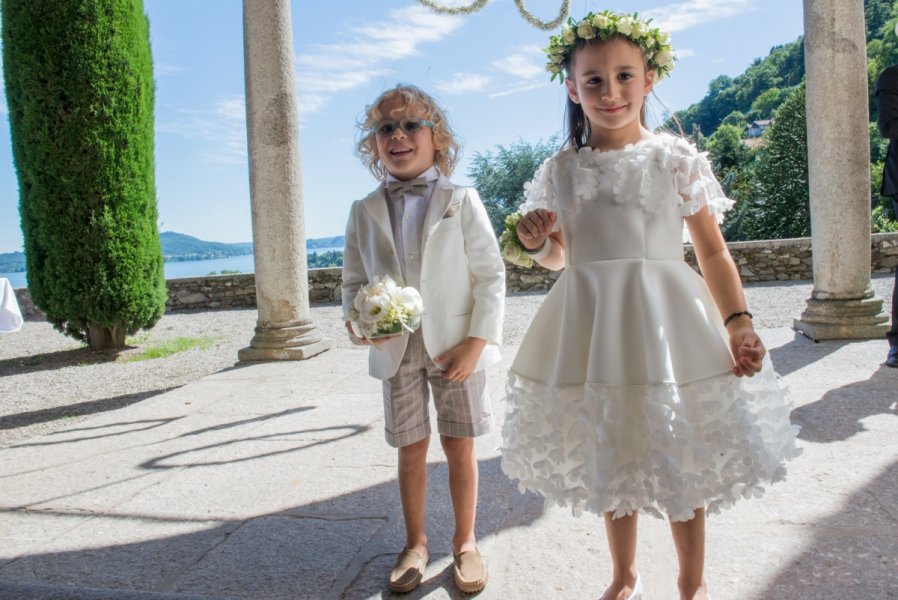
(273, 481)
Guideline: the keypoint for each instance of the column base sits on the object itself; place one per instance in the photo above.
(286, 342)
(858, 319)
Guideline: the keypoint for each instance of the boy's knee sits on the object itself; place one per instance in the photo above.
(414, 450)
(457, 447)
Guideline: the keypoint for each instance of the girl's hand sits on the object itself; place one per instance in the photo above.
(535, 226)
(748, 350)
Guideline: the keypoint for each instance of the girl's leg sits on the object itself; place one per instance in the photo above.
(622, 544)
(463, 489)
(689, 538)
(413, 491)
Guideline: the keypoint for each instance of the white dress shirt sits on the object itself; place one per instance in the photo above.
(407, 219)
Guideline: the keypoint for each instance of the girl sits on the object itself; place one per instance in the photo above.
(630, 391)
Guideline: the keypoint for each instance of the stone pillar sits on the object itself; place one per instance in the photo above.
(284, 330)
(842, 304)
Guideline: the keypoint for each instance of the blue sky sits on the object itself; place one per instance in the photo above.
(485, 68)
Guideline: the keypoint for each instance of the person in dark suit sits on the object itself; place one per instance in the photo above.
(887, 104)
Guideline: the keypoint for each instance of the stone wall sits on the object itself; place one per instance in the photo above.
(770, 260)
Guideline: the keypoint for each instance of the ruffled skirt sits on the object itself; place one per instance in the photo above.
(663, 448)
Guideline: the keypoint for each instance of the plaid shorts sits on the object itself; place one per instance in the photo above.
(463, 407)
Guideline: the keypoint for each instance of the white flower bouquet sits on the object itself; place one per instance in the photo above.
(510, 245)
(383, 309)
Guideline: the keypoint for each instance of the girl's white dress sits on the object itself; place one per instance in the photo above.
(621, 396)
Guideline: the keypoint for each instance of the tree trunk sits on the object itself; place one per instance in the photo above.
(106, 338)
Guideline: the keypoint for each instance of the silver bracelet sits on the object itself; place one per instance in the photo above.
(541, 252)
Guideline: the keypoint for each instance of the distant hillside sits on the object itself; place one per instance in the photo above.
(12, 262)
(767, 82)
(337, 241)
(177, 247)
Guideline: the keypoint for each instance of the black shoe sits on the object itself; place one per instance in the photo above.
(892, 358)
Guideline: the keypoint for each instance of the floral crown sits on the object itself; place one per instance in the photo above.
(653, 43)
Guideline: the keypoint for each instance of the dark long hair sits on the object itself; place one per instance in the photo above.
(578, 130)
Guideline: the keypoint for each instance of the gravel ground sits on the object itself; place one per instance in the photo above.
(49, 381)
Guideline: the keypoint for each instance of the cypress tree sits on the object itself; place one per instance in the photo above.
(79, 85)
(781, 208)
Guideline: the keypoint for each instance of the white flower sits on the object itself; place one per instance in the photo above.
(516, 255)
(411, 301)
(664, 58)
(568, 34)
(374, 308)
(639, 29)
(585, 30)
(625, 26)
(600, 21)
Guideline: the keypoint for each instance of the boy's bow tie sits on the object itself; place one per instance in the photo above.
(417, 187)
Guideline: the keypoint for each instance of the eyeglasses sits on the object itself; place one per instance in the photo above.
(409, 126)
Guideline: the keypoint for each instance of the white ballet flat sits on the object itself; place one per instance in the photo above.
(636, 594)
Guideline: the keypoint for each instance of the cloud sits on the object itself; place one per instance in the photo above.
(333, 68)
(684, 15)
(462, 83)
(223, 128)
(685, 53)
(528, 63)
(165, 70)
(521, 88)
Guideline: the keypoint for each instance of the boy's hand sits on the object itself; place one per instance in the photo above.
(535, 226)
(459, 361)
(748, 350)
(363, 341)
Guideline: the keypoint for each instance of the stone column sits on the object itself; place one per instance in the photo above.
(284, 330)
(842, 304)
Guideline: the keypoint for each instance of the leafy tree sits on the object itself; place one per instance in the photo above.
(500, 176)
(725, 149)
(783, 68)
(781, 206)
(736, 118)
(767, 102)
(79, 85)
(877, 14)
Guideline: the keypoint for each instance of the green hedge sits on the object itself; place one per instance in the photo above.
(79, 85)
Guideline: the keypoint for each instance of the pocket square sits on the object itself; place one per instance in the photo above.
(451, 211)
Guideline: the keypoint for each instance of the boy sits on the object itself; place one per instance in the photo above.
(430, 234)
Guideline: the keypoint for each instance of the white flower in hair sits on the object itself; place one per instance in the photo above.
(568, 33)
(664, 58)
(585, 30)
(601, 21)
(625, 26)
(651, 41)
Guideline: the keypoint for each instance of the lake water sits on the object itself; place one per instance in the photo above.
(192, 268)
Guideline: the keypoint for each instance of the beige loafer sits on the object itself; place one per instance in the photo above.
(470, 571)
(408, 571)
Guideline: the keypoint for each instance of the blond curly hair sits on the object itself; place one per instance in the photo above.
(417, 104)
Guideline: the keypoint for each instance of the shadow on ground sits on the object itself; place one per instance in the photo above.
(851, 555)
(837, 415)
(74, 410)
(340, 547)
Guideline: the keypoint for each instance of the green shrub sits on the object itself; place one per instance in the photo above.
(79, 85)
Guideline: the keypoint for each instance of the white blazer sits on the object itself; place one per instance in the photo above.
(462, 273)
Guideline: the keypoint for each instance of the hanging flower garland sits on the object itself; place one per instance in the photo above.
(562, 14)
(478, 4)
(460, 10)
